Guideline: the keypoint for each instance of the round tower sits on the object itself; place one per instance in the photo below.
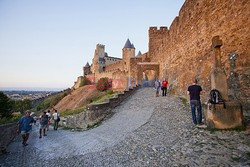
(128, 52)
(86, 69)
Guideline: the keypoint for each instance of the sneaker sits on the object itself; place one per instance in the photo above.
(201, 126)
(25, 144)
(40, 137)
(44, 135)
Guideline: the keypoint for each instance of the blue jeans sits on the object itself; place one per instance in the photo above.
(196, 104)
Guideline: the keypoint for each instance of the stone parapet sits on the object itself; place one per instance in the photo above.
(7, 133)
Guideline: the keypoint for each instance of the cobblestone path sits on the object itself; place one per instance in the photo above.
(144, 131)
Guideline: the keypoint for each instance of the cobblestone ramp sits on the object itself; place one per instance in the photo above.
(144, 131)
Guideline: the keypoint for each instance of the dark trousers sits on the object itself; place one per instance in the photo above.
(196, 104)
(164, 91)
(56, 124)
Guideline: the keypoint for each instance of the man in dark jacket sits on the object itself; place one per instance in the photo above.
(194, 91)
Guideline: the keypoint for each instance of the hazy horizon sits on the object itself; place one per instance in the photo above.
(45, 44)
(30, 89)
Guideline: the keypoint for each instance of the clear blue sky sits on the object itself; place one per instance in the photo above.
(45, 43)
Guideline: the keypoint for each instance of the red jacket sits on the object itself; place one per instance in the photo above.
(164, 84)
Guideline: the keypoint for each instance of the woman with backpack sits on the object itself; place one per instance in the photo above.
(56, 119)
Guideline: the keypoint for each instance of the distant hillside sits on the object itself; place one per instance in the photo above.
(78, 98)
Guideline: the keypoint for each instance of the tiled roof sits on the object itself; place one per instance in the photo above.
(128, 44)
(87, 65)
(139, 53)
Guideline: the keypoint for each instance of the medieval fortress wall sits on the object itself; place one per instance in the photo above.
(184, 50)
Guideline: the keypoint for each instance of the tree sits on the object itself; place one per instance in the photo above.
(104, 84)
(85, 81)
(6, 105)
(22, 105)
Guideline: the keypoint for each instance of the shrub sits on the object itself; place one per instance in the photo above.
(104, 84)
(72, 111)
(11, 119)
(85, 81)
(104, 98)
(22, 105)
(6, 105)
(52, 100)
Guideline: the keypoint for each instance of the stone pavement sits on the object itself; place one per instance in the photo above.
(144, 131)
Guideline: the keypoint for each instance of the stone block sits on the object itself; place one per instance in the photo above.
(218, 117)
(7, 134)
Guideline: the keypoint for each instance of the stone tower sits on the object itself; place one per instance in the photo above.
(128, 52)
(98, 60)
(86, 69)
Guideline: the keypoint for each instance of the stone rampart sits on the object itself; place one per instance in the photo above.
(184, 51)
(119, 80)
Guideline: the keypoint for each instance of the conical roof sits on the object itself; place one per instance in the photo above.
(139, 53)
(128, 44)
(87, 65)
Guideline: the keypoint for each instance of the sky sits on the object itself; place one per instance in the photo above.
(45, 43)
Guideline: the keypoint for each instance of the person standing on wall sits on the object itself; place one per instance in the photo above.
(56, 119)
(164, 87)
(194, 91)
(25, 126)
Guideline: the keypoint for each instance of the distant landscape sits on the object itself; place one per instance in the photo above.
(30, 95)
(30, 89)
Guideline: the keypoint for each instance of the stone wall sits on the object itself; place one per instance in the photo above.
(184, 50)
(115, 66)
(7, 133)
(95, 112)
(78, 82)
(119, 80)
(107, 74)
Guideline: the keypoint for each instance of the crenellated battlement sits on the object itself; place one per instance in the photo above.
(155, 30)
(100, 45)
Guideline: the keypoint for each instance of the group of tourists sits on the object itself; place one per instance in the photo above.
(26, 122)
(193, 91)
(161, 85)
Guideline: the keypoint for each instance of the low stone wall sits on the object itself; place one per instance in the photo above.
(218, 117)
(7, 133)
(95, 112)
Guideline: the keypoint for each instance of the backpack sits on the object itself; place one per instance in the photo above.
(216, 98)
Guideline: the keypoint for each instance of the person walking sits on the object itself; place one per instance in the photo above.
(49, 118)
(194, 92)
(157, 87)
(43, 124)
(25, 126)
(56, 119)
(164, 87)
